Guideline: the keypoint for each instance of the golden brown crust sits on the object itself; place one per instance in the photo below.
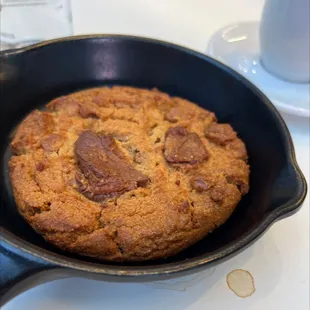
(195, 179)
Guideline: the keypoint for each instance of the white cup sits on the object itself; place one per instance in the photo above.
(284, 39)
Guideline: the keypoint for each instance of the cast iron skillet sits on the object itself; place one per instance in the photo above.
(31, 76)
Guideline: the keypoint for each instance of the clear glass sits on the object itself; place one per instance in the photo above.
(24, 22)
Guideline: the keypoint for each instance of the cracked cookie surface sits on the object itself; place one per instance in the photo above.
(126, 174)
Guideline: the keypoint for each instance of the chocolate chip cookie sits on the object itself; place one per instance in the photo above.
(125, 174)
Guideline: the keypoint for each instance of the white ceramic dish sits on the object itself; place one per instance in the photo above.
(237, 46)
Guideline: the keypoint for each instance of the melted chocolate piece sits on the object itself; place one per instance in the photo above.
(52, 142)
(199, 184)
(220, 133)
(182, 146)
(104, 171)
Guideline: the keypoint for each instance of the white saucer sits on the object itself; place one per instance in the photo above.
(238, 47)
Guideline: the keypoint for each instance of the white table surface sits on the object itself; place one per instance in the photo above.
(279, 261)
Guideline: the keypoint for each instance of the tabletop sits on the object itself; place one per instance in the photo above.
(278, 261)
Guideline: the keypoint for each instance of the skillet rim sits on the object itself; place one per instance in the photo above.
(289, 207)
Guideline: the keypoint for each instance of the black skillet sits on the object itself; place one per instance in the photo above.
(31, 76)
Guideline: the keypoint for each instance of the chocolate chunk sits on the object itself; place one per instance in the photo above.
(52, 142)
(217, 194)
(242, 186)
(220, 133)
(142, 181)
(199, 184)
(74, 107)
(182, 146)
(104, 170)
(89, 110)
(40, 166)
(66, 104)
(184, 207)
(34, 127)
(237, 149)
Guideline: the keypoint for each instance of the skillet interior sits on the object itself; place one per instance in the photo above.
(36, 75)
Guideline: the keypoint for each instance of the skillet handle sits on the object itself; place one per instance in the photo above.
(19, 271)
(289, 191)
